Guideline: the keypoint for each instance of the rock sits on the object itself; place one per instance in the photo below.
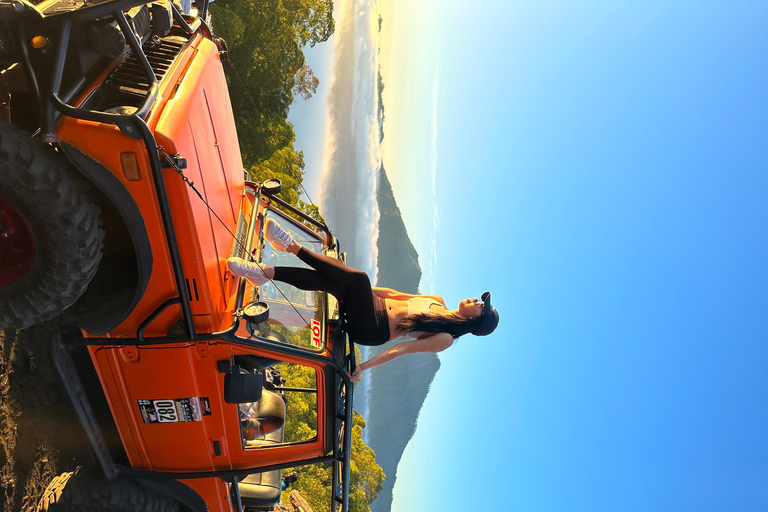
(297, 504)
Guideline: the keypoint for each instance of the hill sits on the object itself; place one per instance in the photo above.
(398, 389)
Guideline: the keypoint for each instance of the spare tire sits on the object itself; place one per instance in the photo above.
(51, 234)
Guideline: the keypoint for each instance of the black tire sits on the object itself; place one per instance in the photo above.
(62, 221)
(86, 491)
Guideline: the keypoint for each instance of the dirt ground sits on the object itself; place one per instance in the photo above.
(39, 434)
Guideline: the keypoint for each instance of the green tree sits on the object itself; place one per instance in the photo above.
(313, 20)
(314, 482)
(311, 210)
(306, 82)
(365, 476)
(285, 164)
(301, 409)
(265, 40)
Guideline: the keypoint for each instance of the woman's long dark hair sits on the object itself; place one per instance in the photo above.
(452, 324)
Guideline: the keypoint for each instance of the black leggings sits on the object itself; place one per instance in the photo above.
(367, 321)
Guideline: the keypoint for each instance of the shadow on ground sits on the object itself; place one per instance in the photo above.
(40, 436)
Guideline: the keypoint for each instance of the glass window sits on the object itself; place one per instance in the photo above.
(287, 411)
(295, 316)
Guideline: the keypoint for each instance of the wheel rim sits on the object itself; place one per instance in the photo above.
(17, 245)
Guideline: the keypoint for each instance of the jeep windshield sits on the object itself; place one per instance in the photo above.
(295, 316)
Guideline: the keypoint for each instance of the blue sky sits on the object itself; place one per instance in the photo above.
(601, 168)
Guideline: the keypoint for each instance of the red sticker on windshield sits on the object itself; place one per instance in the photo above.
(317, 340)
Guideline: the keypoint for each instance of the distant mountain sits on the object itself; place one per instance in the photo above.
(398, 266)
(398, 388)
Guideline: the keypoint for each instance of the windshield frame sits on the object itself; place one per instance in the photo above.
(278, 295)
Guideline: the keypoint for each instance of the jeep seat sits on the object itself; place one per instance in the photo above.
(260, 491)
(270, 416)
(252, 362)
(271, 412)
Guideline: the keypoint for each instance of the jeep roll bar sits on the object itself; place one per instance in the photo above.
(185, 26)
(50, 97)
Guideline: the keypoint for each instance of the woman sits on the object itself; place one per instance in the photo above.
(374, 315)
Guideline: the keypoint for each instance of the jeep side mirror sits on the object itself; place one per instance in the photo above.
(242, 387)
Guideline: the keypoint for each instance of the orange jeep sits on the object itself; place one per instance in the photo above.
(122, 193)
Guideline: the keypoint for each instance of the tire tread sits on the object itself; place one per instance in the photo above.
(85, 491)
(32, 174)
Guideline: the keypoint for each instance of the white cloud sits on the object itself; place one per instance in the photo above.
(431, 278)
(352, 156)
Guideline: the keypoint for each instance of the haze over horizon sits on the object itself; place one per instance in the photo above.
(351, 158)
(600, 168)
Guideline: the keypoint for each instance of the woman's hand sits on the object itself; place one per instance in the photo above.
(355, 375)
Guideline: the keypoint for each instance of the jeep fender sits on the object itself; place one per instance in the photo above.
(103, 315)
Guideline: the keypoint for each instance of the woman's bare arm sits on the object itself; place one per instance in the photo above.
(432, 343)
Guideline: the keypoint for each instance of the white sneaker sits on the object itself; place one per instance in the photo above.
(280, 239)
(250, 270)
